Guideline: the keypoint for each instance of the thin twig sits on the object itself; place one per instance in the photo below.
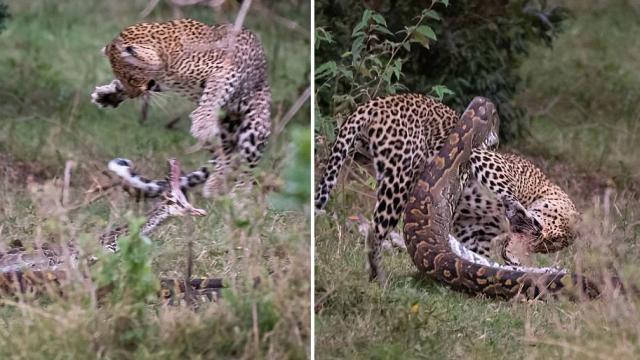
(144, 109)
(170, 125)
(237, 26)
(188, 292)
(395, 51)
(147, 10)
(293, 110)
(92, 200)
(67, 181)
(256, 330)
(288, 23)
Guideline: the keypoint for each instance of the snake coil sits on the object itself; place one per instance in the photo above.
(428, 220)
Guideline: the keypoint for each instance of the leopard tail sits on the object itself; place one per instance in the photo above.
(339, 154)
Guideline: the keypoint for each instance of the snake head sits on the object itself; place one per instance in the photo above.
(178, 203)
(493, 138)
(485, 116)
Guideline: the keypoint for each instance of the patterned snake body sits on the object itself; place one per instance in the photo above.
(47, 268)
(428, 220)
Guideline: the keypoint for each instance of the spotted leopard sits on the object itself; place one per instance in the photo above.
(437, 254)
(480, 217)
(223, 70)
(403, 132)
(399, 133)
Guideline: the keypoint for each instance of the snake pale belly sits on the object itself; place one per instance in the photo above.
(428, 220)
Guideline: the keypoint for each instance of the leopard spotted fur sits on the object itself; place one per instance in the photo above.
(224, 71)
(403, 132)
(479, 216)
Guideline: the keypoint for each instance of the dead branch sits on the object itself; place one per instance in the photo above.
(244, 8)
(302, 99)
(147, 10)
(67, 182)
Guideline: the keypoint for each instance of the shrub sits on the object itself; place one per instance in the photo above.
(455, 50)
(4, 14)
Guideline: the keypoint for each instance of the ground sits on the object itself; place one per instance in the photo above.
(49, 64)
(584, 134)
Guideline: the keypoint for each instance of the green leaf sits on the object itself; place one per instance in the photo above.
(379, 19)
(382, 29)
(440, 91)
(363, 22)
(397, 68)
(347, 73)
(356, 48)
(323, 36)
(431, 14)
(426, 31)
(327, 69)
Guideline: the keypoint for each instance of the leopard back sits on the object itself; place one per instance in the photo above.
(180, 55)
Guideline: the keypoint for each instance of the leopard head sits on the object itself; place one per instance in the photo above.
(136, 60)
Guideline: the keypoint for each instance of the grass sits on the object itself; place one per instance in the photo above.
(50, 63)
(584, 134)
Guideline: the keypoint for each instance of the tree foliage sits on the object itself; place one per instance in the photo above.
(454, 50)
(4, 14)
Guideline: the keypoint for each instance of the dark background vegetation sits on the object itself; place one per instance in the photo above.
(475, 47)
(49, 63)
(580, 126)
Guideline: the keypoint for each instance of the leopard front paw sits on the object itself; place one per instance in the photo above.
(521, 220)
(525, 223)
(111, 94)
(204, 125)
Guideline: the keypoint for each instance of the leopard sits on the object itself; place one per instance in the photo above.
(400, 133)
(480, 216)
(221, 68)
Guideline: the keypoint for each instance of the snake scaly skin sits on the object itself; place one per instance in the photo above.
(46, 269)
(38, 282)
(428, 220)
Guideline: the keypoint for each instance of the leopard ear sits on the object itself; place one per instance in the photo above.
(104, 50)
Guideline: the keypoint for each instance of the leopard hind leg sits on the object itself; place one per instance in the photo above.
(393, 189)
(247, 132)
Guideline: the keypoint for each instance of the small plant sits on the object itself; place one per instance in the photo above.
(128, 278)
(372, 66)
(128, 272)
(295, 193)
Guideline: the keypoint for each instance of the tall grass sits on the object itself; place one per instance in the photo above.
(50, 63)
(582, 94)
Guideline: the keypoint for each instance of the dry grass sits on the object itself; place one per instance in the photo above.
(50, 62)
(584, 134)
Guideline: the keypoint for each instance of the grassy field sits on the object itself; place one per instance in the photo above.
(50, 62)
(584, 133)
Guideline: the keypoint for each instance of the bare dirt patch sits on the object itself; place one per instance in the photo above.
(21, 173)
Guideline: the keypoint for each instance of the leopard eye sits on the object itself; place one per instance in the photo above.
(130, 50)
